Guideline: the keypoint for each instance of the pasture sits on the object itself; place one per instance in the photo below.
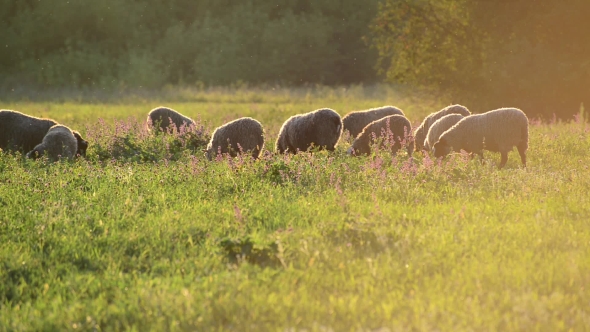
(159, 238)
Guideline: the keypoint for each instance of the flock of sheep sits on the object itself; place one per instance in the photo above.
(452, 128)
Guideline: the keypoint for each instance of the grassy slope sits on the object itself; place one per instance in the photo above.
(334, 242)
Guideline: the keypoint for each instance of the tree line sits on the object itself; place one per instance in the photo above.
(534, 55)
(530, 54)
(150, 43)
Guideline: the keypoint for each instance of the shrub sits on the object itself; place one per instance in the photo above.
(130, 141)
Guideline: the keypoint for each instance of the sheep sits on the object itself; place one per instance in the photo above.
(394, 129)
(497, 131)
(82, 144)
(245, 132)
(422, 130)
(438, 127)
(320, 128)
(354, 122)
(164, 117)
(58, 142)
(21, 132)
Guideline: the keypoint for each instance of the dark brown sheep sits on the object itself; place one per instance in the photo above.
(392, 130)
(21, 132)
(59, 142)
(167, 118)
(320, 128)
(355, 121)
(246, 132)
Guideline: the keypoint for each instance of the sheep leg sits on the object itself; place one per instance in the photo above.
(504, 159)
(522, 152)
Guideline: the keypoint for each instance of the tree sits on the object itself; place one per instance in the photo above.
(532, 55)
(426, 43)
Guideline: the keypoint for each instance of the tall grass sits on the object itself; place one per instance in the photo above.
(315, 241)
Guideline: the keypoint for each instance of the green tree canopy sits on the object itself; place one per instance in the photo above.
(533, 55)
(153, 42)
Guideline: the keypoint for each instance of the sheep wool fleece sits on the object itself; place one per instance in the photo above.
(424, 127)
(354, 122)
(245, 134)
(497, 131)
(59, 142)
(320, 128)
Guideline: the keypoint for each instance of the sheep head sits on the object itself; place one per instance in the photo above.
(36, 153)
(82, 144)
(441, 148)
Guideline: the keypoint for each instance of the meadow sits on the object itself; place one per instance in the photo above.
(146, 234)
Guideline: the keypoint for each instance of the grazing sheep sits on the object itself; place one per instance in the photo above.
(438, 127)
(497, 131)
(82, 144)
(245, 132)
(393, 129)
(354, 122)
(164, 117)
(321, 128)
(59, 142)
(21, 132)
(422, 130)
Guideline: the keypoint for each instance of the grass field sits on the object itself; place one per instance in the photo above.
(320, 242)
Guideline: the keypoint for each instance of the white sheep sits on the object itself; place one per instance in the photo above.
(422, 130)
(438, 127)
(497, 131)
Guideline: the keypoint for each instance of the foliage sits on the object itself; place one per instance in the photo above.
(426, 43)
(316, 241)
(119, 44)
(489, 53)
(132, 141)
(495, 53)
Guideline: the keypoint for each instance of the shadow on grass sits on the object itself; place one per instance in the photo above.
(237, 251)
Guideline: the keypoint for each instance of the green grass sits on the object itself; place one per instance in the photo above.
(318, 242)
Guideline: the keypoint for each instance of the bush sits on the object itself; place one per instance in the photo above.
(130, 141)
